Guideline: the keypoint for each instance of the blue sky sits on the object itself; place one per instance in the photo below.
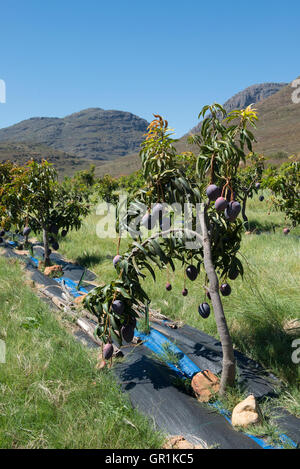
(167, 57)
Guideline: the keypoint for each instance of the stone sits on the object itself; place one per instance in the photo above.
(179, 442)
(52, 270)
(136, 341)
(101, 364)
(79, 299)
(205, 384)
(292, 326)
(246, 413)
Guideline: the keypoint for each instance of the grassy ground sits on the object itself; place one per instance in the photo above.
(256, 310)
(50, 393)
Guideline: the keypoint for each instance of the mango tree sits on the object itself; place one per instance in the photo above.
(6, 175)
(248, 181)
(210, 237)
(106, 188)
(86, 177)
(224, 142)
(35, 200)
(12, 202)
(284, 182)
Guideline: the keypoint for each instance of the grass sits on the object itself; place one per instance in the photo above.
(258, 307)
(51, 395)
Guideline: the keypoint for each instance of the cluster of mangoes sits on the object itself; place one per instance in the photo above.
(231, 209)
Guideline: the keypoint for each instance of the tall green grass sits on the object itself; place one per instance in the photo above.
(51, 395)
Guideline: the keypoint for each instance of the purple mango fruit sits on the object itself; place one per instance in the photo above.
(127, 332)
(118, 307)
(213, 192)
(191, 272)
(108, 351)
(116, 260)
(221, 204)
(225, 289)
(204, 310)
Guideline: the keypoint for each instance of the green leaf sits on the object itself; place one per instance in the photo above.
(123, 292)
(148, 266)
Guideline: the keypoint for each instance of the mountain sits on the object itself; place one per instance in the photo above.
(251, 95)
(278, 128)
(93, 133)
(111, 139)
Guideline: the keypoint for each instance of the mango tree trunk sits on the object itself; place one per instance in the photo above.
(228, 367)
(245, 218)
(46, 247)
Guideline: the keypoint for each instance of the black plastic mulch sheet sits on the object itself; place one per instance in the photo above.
(150, 385)
(37, 276)
(206, 352)
(288, 423)
(71, 270)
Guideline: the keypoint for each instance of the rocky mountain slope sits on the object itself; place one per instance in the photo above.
(251, 95)
(278, 128)
(92, 133)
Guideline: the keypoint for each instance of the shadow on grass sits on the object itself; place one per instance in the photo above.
(92, 259)
(265, 226)
(270, 345)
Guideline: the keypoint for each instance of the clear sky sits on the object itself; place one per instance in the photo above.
(169, 57)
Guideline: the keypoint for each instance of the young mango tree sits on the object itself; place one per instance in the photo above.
(106, 188)
(132, 182)
(86, 177)
(224, 142)
(248, 182)
(284, 182)
(210, 238)
(34, 200)
(12, 202)
(6, 170)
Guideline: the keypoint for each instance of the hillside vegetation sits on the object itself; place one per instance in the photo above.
(20, 153)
